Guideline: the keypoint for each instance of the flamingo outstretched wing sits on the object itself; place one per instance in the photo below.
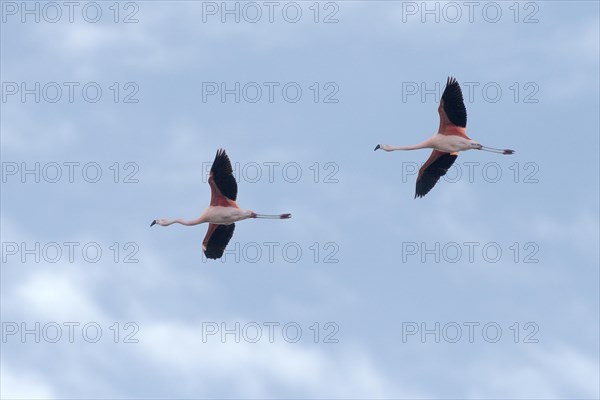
(452, 110)
(216, 240)
(221, 180)
(434, 168)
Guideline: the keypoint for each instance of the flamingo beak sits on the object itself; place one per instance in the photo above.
(377, 148)
(153, 222)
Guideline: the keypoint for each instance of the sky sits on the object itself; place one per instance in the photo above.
(112, 112)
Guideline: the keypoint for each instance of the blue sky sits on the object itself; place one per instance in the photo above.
(358, 210)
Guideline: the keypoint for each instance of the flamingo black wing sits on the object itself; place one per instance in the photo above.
(452, 105)
(216, 240)
(430, 173)
(222, 174)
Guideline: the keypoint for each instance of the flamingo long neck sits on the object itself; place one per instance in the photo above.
(423, 145)
(184, 222)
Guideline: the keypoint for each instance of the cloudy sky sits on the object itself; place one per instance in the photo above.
(111, 114)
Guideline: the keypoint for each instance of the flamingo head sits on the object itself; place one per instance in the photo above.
(160, 222)
(383, 147)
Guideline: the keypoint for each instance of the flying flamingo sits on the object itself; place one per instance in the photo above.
(450, 139)
(223, 211)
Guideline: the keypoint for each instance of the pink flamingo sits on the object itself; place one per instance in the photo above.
(223, 211)
(450, 139)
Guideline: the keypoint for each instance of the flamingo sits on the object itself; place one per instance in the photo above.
(223, 211)
(450, 139)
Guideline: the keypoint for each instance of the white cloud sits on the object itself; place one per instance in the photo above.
(264, 369)
(23, 384)
(552, 372)
(56, 294)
